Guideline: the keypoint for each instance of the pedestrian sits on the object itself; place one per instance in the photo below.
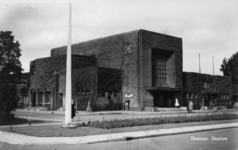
(89, 109)
(73, 109)
(190, 106)
(176, 103)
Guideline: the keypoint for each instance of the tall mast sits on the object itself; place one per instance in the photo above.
(68, 96)
(199, 62)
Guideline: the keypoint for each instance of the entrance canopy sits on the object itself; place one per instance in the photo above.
(164, 89)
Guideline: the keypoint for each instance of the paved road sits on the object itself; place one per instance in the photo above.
(60, 117)
(192, 141)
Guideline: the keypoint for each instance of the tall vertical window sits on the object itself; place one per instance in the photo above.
(161, 70)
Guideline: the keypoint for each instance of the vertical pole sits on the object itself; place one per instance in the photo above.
(56, 91)
(51, 99)
(199, 62)
(68, 75)
(37, 97)
(213, 73)
(30, 98)
(43, 99)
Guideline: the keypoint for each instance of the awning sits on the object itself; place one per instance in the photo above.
(164, 89)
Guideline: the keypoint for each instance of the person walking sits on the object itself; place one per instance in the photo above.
(190, 106)
(73, 109)
(176, 103)
(89, 109)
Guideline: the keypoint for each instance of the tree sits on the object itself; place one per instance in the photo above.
(10, 69)
(229, 67)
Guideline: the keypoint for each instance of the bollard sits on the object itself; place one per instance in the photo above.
(103, 117)
(29, 123)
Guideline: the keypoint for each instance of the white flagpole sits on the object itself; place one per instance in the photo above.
(68, 96)
(213, 73)
(199, 63)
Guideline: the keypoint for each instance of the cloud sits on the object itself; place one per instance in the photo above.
(207, 27)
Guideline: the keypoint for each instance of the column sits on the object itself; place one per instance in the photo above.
(202, 104)
(64, 100)
(55, 99)
(51, 99)
(43, 99)
(36, 99)
(30, 98)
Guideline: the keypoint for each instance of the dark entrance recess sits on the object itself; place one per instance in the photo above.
(164, 97)
(33, 99)
(210, 99)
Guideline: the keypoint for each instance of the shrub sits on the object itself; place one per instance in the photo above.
(110, 124)
(84, 124)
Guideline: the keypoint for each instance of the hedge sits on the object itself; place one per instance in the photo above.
(110, 124)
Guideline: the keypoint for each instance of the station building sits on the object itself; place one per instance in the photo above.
(137, 70)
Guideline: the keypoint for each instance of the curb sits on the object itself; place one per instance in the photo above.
(151, 136)
(14, 138)
(185, 132)
(123, 112)
(128, 138)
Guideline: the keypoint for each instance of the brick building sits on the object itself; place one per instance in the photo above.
(21, 86)
(149, 65)
(48, 80)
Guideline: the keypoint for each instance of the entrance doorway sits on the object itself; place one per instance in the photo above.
(164, 99)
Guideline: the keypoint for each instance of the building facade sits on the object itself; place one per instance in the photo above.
(151, 64)
(147, 68)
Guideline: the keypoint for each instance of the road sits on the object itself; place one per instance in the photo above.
(60, 117)
(191, 141)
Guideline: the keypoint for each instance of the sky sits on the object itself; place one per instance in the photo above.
(208, 27)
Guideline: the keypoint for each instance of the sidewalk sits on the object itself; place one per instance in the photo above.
(83, 113)
(14, 138)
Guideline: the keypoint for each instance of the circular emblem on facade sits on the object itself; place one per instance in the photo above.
(128, 48)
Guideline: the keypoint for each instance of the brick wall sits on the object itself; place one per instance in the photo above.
(204, 88)
(132, 52)
(117, 51)
(130, 67)
(194, 82)
(235, 89)
(107, 50)
(43, 71)
(151, 40)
